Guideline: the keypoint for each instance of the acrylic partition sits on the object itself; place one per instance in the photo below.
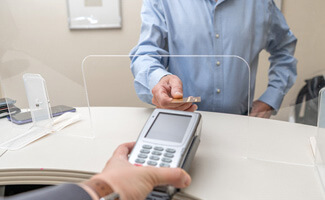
(41, 103)
(318, 143)
(285, 151)
(275, 148)
(109, 80)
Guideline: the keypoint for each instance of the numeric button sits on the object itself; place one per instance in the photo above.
(169, 155)
(166, 160)
(152, 163)
(145, 151)
(158, 148)
(169, 150)
(156, 153)
(144, 156)
(140, 161)
(145, 146)
(164, 165)
(154, 158)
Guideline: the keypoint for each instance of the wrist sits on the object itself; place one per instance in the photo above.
(93, 195)
(99, 189)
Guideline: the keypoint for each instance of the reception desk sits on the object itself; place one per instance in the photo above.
(239, 157)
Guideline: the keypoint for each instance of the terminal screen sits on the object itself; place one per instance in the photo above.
(169, 127)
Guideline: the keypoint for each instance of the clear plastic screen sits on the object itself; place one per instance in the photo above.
(115, 111)
(110, 82)
(255, 156)
(285, 138)
(280, 153)
(319, 146)
(281, 142)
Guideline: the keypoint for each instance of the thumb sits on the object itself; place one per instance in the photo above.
(123, 150)
(176, 87)
(172, 176)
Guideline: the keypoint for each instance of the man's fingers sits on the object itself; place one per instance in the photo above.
(180, 106)
(175, 106)
(253, 113)
(154, 101)
(176, 87)
(164, 101)
(267, 114)
(261, 109)
(192, 108)
(260, 114)
(174, 176)
(161, 96)
(177, 92)
(124, 149)
(168, 88)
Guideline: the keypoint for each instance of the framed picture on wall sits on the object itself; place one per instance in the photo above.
(94, 14)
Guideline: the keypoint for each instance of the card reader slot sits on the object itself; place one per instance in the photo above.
(191, 153)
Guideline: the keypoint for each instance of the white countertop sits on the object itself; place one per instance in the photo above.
(239, 157)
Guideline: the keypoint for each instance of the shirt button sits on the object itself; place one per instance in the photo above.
(217, 35)
(218, 91)
(218, 63)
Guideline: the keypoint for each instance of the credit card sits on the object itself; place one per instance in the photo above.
(187, 100)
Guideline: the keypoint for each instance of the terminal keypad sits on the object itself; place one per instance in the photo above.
(145, 151)
(154, 155)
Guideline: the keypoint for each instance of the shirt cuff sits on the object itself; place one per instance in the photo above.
(273, 97)
(155, 77)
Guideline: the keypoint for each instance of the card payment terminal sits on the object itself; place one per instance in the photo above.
(169, 138)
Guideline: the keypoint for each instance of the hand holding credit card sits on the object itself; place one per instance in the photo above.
(189, 99)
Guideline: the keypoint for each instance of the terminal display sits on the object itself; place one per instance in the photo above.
(169, 127)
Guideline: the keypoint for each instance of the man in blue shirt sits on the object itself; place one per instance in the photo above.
(207, 27)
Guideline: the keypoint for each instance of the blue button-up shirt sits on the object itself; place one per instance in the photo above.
(242, 28)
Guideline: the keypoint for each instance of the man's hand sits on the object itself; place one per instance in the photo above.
(135, 183)
(167, 88)
(261, 109)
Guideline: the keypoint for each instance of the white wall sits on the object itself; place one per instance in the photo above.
(35, 37)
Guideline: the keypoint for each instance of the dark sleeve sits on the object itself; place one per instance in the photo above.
(60, 192)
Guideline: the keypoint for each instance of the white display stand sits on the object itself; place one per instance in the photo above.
(36, 119)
